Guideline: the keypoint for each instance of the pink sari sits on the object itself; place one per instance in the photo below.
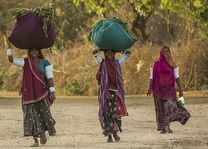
(163, 83)
(163, 88)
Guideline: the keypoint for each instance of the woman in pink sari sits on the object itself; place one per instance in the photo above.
(162, 84)
(111, 93)
(38, 94)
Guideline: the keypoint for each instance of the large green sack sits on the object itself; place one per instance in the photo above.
(112, 34)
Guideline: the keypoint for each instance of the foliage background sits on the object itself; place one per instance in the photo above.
(182, 25)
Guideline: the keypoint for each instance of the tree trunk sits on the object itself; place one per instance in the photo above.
(170, 28)
(140, 23)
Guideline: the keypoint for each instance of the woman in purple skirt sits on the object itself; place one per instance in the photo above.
(162, 84)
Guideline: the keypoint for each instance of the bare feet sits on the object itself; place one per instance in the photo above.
(167, 128)
(116, 137)
(109, 139)
(43, 138)
(163, 131)
(36, 143)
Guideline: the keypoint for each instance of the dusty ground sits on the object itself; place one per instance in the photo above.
(78, 127)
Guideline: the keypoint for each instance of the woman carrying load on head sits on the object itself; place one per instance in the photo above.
(162, 83)
(38, 94)
(111, 93)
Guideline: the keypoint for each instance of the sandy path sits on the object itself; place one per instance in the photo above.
(78, 127)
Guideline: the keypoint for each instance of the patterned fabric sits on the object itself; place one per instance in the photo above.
(111, 123)
(111, 65)
(38, 119)
(104, 93)
(34, 85)
(168, 111)
(36, 101)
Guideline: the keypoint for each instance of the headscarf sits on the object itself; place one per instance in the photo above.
(163, 83)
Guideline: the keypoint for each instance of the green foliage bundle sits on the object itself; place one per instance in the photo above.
(46, 13)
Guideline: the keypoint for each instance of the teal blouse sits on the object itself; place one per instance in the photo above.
(41, 66)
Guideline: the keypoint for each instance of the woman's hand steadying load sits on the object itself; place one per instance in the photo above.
(95, 51)
(127, 52)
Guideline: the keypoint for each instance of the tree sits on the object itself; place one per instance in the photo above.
(100, 7)
(194, 12)
(143, 10)
(71, 21)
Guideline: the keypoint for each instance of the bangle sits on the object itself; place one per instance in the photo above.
(9, 52)
(52, 89)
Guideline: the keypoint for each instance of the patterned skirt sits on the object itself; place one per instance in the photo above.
(38, 119)
(111, 123)
(168, 111)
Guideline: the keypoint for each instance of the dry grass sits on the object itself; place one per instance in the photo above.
(75, 68)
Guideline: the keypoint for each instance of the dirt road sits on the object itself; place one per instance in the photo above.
(78, 126)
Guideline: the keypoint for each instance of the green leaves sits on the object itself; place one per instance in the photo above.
(100, 7)
(188, 9)
(193, 11)
(47, 13)
(16, 12)
(143, 7)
